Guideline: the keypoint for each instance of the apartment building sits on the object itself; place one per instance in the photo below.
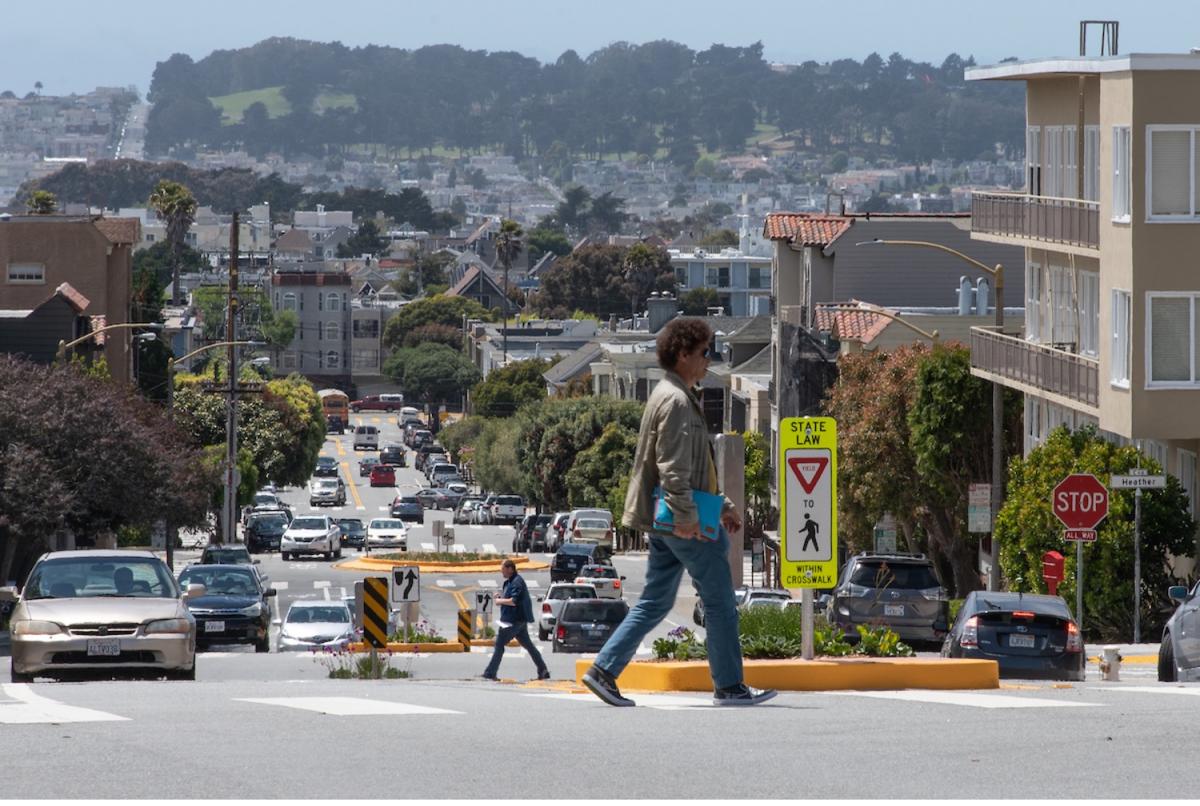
(321, 300)
(742, 281)
(1109, 224)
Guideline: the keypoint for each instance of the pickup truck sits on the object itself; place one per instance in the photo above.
(388, 403)
(508, 509)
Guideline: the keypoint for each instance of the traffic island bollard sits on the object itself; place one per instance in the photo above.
(466, 618)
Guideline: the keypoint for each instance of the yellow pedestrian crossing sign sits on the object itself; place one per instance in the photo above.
(808, 502)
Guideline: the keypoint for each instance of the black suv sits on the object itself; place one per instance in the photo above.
(898, 591)
(392, 455)
(354, 534)
(264, 531)
(326, 466)
(571, 557)
(335, 425)
(234, 609)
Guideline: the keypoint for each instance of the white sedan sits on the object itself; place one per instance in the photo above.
(312, 534)
(384, 533)
(604, 578)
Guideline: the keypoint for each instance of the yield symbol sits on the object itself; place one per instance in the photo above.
(808, 470)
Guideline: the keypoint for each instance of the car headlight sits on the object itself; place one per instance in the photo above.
(168, 625)
(34, 627)
(253, 610)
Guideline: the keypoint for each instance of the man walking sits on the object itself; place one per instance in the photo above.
(674, 455)
(516, 611)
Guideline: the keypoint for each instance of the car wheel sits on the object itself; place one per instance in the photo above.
(554, 647)
(543, 635)
(264, 645)
(285, 555)
(1166, 660)
(183, 674)
(20, 677)
(338, 554)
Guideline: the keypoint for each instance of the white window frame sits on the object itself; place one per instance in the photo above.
(333, 360)
(26, 273)
(1034, 178)
(1122, 176)
(1089, 313)
(1174, 218)
(289, 360)
(1194, 297)
(333, 331)
(289, 301)
(1052, 175)
(334, 302)
(1062, 306)
(1068, 181)
(1034, 288)
(1121, 340)
(1091, 163)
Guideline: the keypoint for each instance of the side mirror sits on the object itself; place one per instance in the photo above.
(270, 592)
(194, 590)
(622, 579)
(1177, 593)
(256, 562)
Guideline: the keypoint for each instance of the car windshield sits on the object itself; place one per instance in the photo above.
(225, 581)
(327, 484)
(326, 461)
(321, 614)
(370, 460)
(268, 520)
(899, 575)
(380, 523)
(509, 501)
(591, 524)
(597, 610)
(265, 498)
(237, 556)
(572, 592)
(352, 524)
(81, 577)
(600, 572)
(309, 523)
(408, 499)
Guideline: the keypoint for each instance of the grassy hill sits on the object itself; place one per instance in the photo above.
(232, 106)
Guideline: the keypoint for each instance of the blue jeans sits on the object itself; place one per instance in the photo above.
(707, 561)
(506, 634)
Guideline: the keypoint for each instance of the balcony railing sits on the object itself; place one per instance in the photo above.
(1043, 368)
(1073, 222)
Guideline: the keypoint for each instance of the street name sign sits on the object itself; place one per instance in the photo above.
(1137, 482)
(808, 505)
(406, 584)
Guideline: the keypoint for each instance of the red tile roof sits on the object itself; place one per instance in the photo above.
(119, 230)
(72, 295)
(805, 229)
(861, 326)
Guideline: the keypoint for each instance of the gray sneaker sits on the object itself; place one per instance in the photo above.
(741, 694)
(602, 684)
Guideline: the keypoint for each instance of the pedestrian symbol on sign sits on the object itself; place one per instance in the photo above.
(810, 529)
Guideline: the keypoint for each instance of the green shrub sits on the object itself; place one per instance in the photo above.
(680, 644)
(880, 642)
(756, 622)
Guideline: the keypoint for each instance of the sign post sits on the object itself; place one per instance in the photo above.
(1138, 479)
(483, 609)
(1080, 502)
(406, 590)
(808, 511)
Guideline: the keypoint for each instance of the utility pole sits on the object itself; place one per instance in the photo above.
(231, 312)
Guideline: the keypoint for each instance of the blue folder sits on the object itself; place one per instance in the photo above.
(708, 508)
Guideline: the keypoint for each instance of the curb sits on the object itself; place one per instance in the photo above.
(833, 674)
(490, 642)
(440, 648)
(468, 567)
(1136, 660)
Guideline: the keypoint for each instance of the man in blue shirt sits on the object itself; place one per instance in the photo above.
(516, 611)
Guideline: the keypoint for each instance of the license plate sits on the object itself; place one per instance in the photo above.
(104, 647)
(893, 610)
(214, 626)
(594, 633)
(1022, 641)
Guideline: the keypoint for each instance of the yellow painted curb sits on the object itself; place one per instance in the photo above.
(446, 647)
(1144, 660)
(490, 642)
(472, 566)
(828, 674)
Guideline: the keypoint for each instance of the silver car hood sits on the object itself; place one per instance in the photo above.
(93, 610)
(307, 631)
(306, 533)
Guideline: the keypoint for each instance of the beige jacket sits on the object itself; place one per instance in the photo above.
(673, 452)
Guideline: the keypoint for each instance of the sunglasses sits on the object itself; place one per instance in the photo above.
(707, 353)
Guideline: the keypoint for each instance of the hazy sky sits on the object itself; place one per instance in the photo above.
(74, 45)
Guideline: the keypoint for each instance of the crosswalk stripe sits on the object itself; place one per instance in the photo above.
(490, 548)
(659, 702)
(476, 526)
(968, 699)
(427, 547)
(33, 709)
(447, 583)
(321, 583)
(487, 583)
(1167, 689)
(347, 706)
(280, 586)
(532, 583)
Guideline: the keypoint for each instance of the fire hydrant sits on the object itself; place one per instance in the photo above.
(1110, 664)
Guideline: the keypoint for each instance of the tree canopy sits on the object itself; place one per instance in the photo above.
(603, 280)
(508, 388)
(436, 310)
(432, 373)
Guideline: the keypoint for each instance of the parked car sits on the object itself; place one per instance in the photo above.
(555, 598)
(466, 507)
(383, 476)
(584, 625)
(409, 414)
(326, 466)
(424, 451)
(393, 455)
(558, 530)
(93, 610)
(387, 533)
(570, 558)
(604, 578)
(327, 492)
(408, 508)
(899, 591)
(746, 596)
(386, 402)
(335, 425)
(235, 607)
(508, 509)
(312, 534)
(592, 530)
(531, 534)
(366, 465)
(1029, 635)
(428, 497)
(264, 531)
(366, 438)
(227, 554)
(1179, 652)
(483, 512)
(354, 534)
(316, 624)
(442, 473)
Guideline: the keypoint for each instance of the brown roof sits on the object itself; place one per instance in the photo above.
(805, 229)
(68, 292)
(120, 230)
(862, 326)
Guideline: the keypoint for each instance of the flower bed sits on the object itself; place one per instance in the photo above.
(346, 665)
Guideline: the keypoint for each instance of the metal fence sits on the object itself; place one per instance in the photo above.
(1052, 370)
(1040, 218)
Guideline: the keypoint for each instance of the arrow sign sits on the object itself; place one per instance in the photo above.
(808, 470)
(406, 584)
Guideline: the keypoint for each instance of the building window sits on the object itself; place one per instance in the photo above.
(320, 301)
(333, 331)
(681, 276)
(149, 238)
(710, 276)
(1063, 306)
(1187, 477)
(26, 273)
(1054, 161)
(1091, 163)
(1033, 302)
(333, 359)
(1155, 450)
(1170, 337)
(1122, 189)
(289, 301)
(365, 359)
(1171, 187)
(760, 277)
(366, 328)
(289, 360)
(1033, 160)
(1122, 308)
(1089, 313)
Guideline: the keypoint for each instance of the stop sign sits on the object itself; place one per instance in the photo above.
(1080, 501)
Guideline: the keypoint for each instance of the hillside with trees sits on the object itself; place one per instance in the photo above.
(624, 99)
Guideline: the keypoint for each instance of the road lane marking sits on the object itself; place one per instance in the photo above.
(341, 449)
(447, 583)
(321, 583)
(476, 526)
(490, 548)
(970, 700)
(1165, 689)
(360, 508)
(347, 706)
(532, 583)
(280, 586)
(487, 583)
(325, 591)
(427, 547)
(384, 508)
(33, 709)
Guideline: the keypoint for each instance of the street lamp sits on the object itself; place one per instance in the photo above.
(63, 345)
(997, 275)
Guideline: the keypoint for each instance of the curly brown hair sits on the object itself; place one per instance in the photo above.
(681, 336)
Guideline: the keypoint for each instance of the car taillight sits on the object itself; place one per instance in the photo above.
(970, 633)
(546, 607)
(575, 532)
(578, 580)
(608, 535)
(617, 584)
(562, 632)
(1022, 614)
(1074, 639)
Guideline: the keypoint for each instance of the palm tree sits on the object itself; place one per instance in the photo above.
(41, 202)
(508, 246)
(175, 205)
